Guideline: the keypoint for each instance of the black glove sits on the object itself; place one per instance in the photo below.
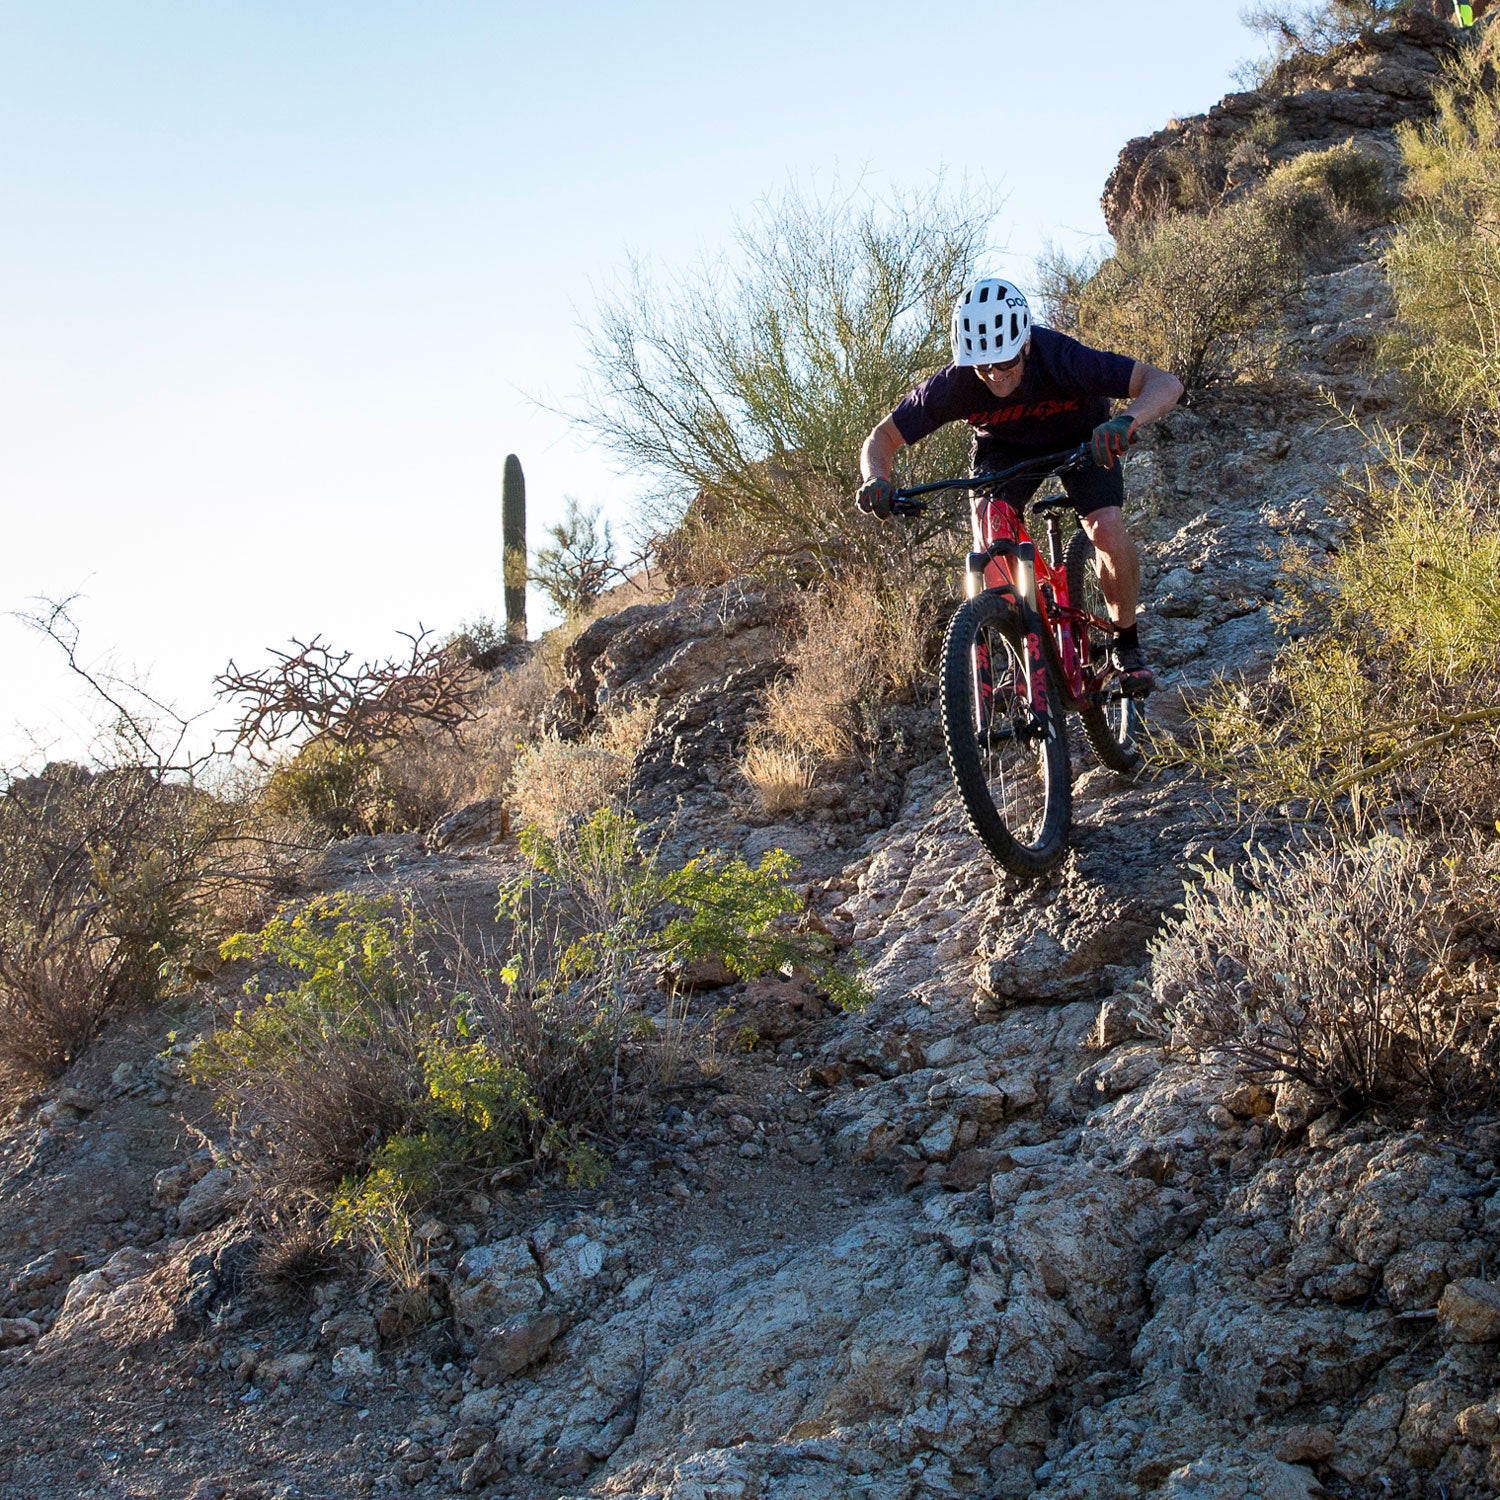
(874, 498)
(1111, 439)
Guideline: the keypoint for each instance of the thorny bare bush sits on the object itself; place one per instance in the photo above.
(1384, 696)
(380, 746)
(863, 642)
(311, 692)
(1333, 968)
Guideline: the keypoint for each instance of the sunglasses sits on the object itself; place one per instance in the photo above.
(1009, 364)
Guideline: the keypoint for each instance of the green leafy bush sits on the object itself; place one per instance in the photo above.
(369, 1077)
(747, 387)
(1444, 264)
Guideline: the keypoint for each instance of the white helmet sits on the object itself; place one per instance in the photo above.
(991, 323)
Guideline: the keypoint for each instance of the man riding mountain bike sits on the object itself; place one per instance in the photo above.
(1028, 391)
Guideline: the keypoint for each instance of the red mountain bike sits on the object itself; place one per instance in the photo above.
(1029, 644)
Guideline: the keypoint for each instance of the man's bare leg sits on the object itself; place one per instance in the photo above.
(1119, 562)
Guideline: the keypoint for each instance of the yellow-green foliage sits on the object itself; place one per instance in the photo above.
(1201, 293)
(1397, 661)
(635, 910)
(1444, 265)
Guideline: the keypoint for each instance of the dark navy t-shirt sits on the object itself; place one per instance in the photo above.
(1064, 394)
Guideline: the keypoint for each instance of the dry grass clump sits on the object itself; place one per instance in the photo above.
(863, 641)
(1331, 968)
(556, 782)
(781, 776)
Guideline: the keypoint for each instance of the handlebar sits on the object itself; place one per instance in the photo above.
(905, 502)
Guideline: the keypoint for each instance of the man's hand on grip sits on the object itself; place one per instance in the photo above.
(1111, 439)
(874, 498)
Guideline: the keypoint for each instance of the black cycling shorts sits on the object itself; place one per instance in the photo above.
(1089, 488)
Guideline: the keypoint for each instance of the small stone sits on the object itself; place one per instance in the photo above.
(46, 1270)
(15, 1331)
(943, 1052)
(206, 1202)
(1479, 1425)
(938, 1139)
(288, 1367)
(467, 1440)
(972, 1169)
(1469, 1311)
(1306, 1445)
(1250, 1100)
(77, 1100)
(1219, 1117)
(354, 1363)
(1323, 1127)
(348, 1328)
(1117, 1022)
(516, 1344)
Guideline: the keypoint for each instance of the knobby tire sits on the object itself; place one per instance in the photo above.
(1016, 790)
(1109, 727)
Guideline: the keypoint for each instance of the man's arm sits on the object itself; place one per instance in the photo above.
(881, 448)
(1153, 393)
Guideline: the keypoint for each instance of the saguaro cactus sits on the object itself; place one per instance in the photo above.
(513, 509)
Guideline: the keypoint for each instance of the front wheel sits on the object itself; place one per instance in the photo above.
(1007, 743)
(1112, 724)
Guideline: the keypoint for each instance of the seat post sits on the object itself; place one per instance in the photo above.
(1054, 539)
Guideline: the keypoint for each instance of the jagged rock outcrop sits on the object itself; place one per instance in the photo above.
(1359, 92)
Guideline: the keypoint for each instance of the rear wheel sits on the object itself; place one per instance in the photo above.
(1112, 725)
(1009, 761)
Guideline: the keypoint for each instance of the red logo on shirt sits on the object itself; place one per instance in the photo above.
(1021, 411)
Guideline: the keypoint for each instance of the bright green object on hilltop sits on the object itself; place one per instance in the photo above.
(1463, 14)
(513, 512)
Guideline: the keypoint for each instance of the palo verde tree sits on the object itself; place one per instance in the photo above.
(751, 381)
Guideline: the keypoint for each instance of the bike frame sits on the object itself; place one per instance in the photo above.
(1008, 559)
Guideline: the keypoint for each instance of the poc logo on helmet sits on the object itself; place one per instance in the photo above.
(991, 323)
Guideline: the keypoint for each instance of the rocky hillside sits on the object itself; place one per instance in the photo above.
(981, 1239)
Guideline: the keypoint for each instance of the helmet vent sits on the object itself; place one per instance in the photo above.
(984, 294)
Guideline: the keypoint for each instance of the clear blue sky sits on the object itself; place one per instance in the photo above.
(277, 280)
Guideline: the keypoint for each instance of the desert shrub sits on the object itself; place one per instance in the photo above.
(1386, 690)
(370, 1075)
(110, 881)
(1200, 296)
(1327, 968)
(364, 735)
(557, 781)
(1444, 264)
(638, 914)
(578, 564)
(1351, 181)
(1293, 27)
(747, 388)
(480, 641)
(329, 1061)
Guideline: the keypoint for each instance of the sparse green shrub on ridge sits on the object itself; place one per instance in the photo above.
(1389, 684)
(1444, 264)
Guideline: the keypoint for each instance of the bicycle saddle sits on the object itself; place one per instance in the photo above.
(1051, 502)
